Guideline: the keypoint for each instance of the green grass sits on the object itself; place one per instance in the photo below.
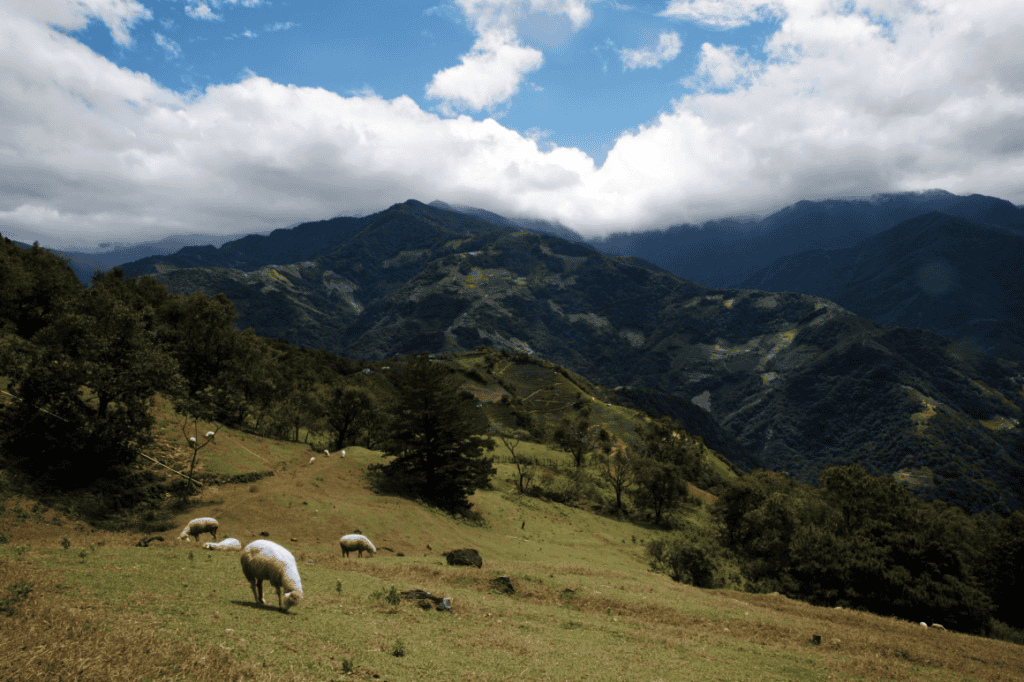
(586, 605)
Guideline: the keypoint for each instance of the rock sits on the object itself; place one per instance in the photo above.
(144, 542)
(464, 557)
(425, 600)
(504, 585)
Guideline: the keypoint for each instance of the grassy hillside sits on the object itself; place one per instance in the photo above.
(586, 605)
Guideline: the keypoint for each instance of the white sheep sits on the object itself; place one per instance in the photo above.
(356, 543)
(210, 435)
(343, 454)
(266, 560)
(311, 460)
(327, 452)
(229, 544)
(196, 527)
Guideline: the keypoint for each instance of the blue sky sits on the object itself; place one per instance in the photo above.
(131, 120)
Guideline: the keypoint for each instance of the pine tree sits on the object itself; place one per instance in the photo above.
(435, 439)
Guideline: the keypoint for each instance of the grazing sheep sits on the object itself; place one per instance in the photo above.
(343, 454)
(327, 452)
(229, 544)
(266, 560)
(936, 625)
(356, 543)
(210, 435)
(311, 460)
(196, 527)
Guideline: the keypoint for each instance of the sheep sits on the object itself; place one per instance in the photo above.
(356, 543)
(229, 544)
(196, 527)
(266, 560)
(210, 435)
(144, 542)
(311, 460)
(343, 454)
(327, 452)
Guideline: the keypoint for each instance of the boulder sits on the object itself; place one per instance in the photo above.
(425, 600)
(504, 585)
(464, 557)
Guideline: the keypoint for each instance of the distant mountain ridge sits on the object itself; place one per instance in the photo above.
(797, 381)
(937, 271)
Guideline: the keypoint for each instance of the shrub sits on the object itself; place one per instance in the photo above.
(16, 594)
(687, 557)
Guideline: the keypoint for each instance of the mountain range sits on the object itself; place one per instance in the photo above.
(798, 381)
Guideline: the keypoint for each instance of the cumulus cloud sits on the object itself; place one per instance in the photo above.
(496, 66)
(723, 14)
(843, 106)
(668, 48)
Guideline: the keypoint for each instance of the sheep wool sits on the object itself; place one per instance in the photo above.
(228, 545)
(356, 543)
(266, 560)
(196, 527)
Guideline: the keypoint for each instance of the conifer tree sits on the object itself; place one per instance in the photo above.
(435, 439)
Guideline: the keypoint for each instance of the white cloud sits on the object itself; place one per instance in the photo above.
(844, 106)
(201, 11)
(493, 70)
(490, 74)
(723, 14)
(722, 67)
(668, 48)
(280, 26)
(119, 15)
(173, 49)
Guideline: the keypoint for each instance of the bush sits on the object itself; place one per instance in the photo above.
(16, 594)
(687, 557)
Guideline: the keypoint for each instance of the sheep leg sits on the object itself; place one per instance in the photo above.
(257, 590)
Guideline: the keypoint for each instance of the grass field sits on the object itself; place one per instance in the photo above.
(586, 606)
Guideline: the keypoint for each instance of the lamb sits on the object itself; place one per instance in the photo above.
(196, 527)
(356, 543)
(266, 560)
(230, 544)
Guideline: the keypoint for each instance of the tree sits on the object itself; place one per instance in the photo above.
(85, 387)
(511, 438)
(617, 467)
(34, 282)
(346, 407)
(667, 460)
(575, 435)
(198, 331)
(435, 442)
